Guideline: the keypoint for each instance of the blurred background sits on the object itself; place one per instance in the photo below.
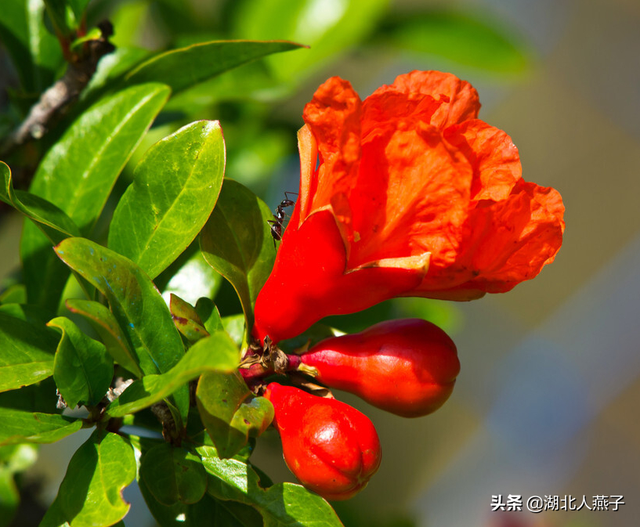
(548, 398)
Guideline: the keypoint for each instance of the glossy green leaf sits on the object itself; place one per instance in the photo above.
(173, 474)
(209, 314)
(182, 68)
(234, 325)
(191, 278)
(327, 28)
(78, 173)
(187, 320)
(175, 187)
(53, 222)
(21, 426)
(214, 353)
(464, 38)
(230, 412)
(236, 242)
(136, 304)
(35, 51)
(33, 315)
(90, 494)
(284, 504)
(105, 324)
(27, 353)
(82, 369)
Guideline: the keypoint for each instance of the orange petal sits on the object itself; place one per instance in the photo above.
(333, 117)
(493, 156)
(461, 101)
(412, 197)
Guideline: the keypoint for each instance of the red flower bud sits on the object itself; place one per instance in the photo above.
(406, 367)
(329, 446)
(406, 193)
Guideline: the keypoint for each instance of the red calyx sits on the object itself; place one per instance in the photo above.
(407, 367)
(331, 448)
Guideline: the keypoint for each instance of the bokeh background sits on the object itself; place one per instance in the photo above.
(547, 402)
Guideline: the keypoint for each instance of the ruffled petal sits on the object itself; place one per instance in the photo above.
(460, 99)
(493, 156)
(333, 117)
(412, 196)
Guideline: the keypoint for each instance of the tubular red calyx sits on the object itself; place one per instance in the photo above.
(331, 448)
(407, 367)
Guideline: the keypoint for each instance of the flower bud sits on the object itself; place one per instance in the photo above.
(407, 367)
(331, 448)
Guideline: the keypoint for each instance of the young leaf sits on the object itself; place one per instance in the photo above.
(90, 494)
(35, 52)
(182, 68)
(82, 369)
(27, 353)
(214, 353)
(187, 320)
(236, 242)
(173, 474)
(53, 222)
(281, 504)
(107, 327)
(20, 426)
(78, 173)
(175, 187)
(230, 412)
(136, 305)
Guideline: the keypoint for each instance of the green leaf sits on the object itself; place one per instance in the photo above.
(40, 397)
(27, 353)
(236, 242)
(35, 51)
(20, 426)
(284, 504)
(208, 312)
(230, 412)
(235, 326)
(78, 7)
(327, 29)
(53, 222)
(175, 187)
(78, 173)
(107, 327)
(90, 494)
(214, 353)
(82, 369)
(208, 511)
(187, 320)
(33, 315)
(136, 305)
(173, 474)
(182, 68)
(463, 38)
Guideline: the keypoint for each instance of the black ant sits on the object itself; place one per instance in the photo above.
(277, 224)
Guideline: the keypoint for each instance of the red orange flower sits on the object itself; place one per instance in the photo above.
(412, 196)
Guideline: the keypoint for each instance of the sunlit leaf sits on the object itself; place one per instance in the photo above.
(214, 353)
(21, 426)
(78, 173)
(187, 319)
(280, 505)
(175, 187)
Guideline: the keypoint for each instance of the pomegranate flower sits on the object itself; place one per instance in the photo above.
(412, 195)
